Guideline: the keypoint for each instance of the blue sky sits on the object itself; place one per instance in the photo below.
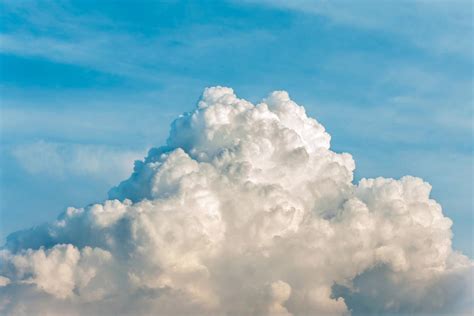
(86, 87)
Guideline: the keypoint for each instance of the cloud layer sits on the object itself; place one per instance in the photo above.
(246, 210)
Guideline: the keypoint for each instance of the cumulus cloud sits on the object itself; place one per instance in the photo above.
(245, 211)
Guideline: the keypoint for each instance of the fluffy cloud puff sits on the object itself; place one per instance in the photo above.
(245, 211)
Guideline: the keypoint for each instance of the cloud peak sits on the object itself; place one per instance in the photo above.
(246, 210)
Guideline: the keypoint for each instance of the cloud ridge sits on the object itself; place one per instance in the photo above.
(245, 210)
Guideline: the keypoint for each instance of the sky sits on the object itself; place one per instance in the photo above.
(88, 87)
(305, 157)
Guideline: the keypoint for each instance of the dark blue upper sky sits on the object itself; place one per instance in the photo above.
(87, 86)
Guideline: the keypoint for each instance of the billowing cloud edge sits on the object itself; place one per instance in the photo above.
(246, 210)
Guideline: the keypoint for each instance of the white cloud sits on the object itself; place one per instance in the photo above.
(65, 159)
(246, 210)
(101, 43)
(436, 26)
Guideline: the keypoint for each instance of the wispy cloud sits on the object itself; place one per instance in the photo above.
(65, 160)
(443, 27)
(56, 32)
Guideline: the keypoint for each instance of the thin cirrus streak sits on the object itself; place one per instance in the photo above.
(245, 211)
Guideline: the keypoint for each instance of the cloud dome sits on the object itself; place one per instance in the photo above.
(245, 211)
